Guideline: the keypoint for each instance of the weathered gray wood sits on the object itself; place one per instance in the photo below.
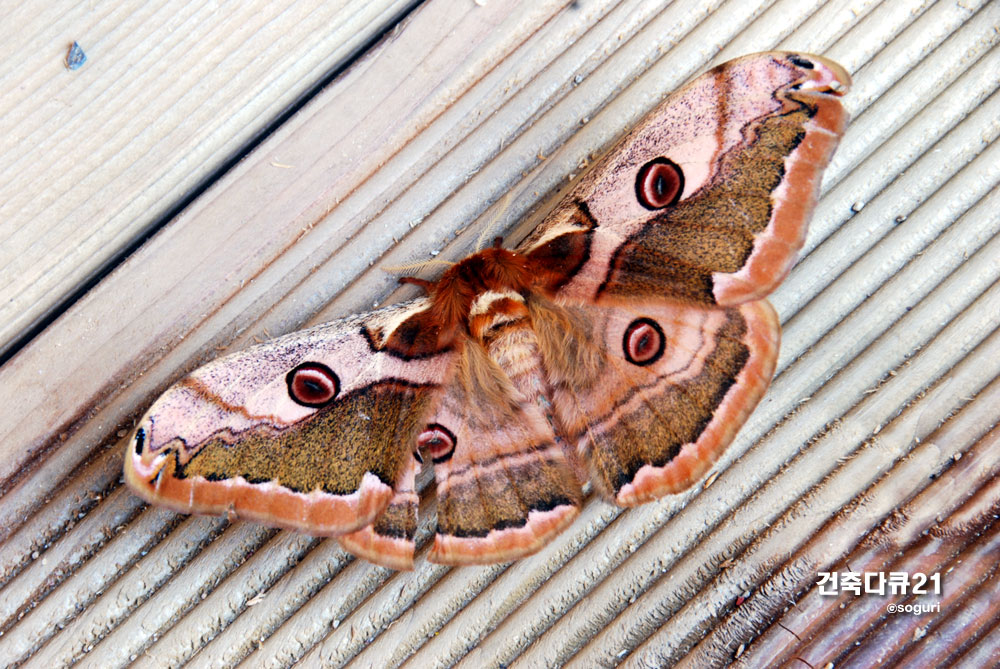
(90, 158)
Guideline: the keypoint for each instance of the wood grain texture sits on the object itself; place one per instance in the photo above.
(887, 372)
(91, 158)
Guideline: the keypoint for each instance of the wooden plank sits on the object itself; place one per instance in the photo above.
(91, 158)
(890, 330)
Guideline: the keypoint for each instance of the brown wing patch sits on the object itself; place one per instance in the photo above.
(328, 451)
(417, 335)
(557, 255)
(500, 492)
(653, 426)
(679, 251)
(504, 494)
(389, 541)
(669, 415)
(330, 473)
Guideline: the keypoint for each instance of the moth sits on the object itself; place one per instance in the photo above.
(624, 341)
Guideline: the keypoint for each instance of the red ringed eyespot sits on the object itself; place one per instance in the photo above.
(438, 441)
(659, 183)
(644, 342)
(312, 384)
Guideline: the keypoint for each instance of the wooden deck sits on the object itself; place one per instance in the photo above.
(138, 241)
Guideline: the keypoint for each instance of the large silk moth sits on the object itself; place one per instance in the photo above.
(624, 342)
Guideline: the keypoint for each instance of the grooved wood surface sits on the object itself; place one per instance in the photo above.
(875, 449)
(90, 158)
